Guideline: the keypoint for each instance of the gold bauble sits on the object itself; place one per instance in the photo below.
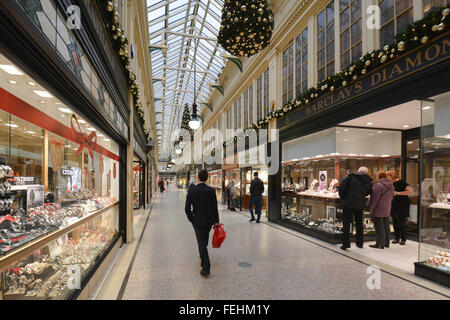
(424, 39)
(368, 63)
(260, 11)
(441, 26)
(355, 77)
(110, 6)
(416, 38)
(401, 46)
(446, 12)
(332, 88)
(344, 83)
(434, 28)
(363, 71)
(392, 56)
(383, 59)
(244, 8)
(386, 48)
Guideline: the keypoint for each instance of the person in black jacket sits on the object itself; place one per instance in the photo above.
(256, 197)
(353, 190)
(201, 210)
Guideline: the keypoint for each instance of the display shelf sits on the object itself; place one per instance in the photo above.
(28, 248)
(429, 272)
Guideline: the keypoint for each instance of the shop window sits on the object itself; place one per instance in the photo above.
(435, 185)
(325, 42)
(59, 174)
(432, 5)
(266, 92)
(259, 98)
(301, 63)
(351, 31)
(396, 15)
(314, 165)
(288, 74)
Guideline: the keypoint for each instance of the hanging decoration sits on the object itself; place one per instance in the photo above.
(434, 24)
(120, 43)
(246, 27)
(57, 154)
(185, 120)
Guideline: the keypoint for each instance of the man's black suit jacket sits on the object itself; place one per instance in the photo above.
(203, 200)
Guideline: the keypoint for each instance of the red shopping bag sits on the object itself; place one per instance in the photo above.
(219, 235)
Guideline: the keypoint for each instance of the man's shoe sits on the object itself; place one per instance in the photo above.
(252, 219)
(402, 243)
(257, 221)
(395, 241)
(344, 248)
(376, 246)
(387, 246)
(204, 273)
(359, 245)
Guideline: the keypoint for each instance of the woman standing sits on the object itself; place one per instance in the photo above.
(380, 209)
(400, 207)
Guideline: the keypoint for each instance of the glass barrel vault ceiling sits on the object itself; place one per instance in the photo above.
(176, 28)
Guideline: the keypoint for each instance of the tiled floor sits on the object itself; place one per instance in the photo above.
(283, 266)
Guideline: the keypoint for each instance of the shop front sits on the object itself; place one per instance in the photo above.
(63, 144)
(215, 179)
(395, 118)
(231, 173)
(138, 183)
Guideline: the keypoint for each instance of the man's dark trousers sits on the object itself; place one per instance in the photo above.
(399, 228)
(256, 201)
(202, 234)
(349, 214)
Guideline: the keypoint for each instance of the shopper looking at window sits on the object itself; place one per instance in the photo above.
(353, 190)
(400, 207)
(380, 209)
(256, 197)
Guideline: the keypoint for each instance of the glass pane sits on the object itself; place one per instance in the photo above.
(330, 12)
(330, 32)
(345, 19)
(321, 20)
(305, 36)
(343, 4)
(330, 69)
(345, 59)
(305, 71)
(387, 10)
(321, 39)
(404, 20)
(356, 32)
(345, 41)
(321, 58)
(402, 5)
(321, 74)
(387, 33)
(357, 52)
(330, 51)
(356, 10)
(305, 53)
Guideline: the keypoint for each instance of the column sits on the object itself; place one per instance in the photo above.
(312, 52)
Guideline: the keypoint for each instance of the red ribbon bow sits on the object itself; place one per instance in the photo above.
(86, 141)
(58, 144)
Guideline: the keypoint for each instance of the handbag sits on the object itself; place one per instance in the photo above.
(219, 235)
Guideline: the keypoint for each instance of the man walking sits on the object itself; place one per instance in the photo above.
(353, 190)
(201, 211)
(256, 197)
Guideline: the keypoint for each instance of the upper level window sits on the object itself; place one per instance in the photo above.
(259, 102)
(238, 123)
(229, 120)
(431, 5)
(288, 74)
(396, 15)
(325, 42)
(266, 92)
(351, 31)
(246, 108)
(301, 63)
(250, 104)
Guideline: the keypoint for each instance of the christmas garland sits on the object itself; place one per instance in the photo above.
(120, 43)
(420, 32)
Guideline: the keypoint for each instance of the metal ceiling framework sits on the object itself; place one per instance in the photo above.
(176, 27)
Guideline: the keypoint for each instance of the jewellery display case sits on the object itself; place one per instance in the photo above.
(247, 175)
(215, 180)
(59, 191)
(234, 176)
(310, 198)
(434, 233)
